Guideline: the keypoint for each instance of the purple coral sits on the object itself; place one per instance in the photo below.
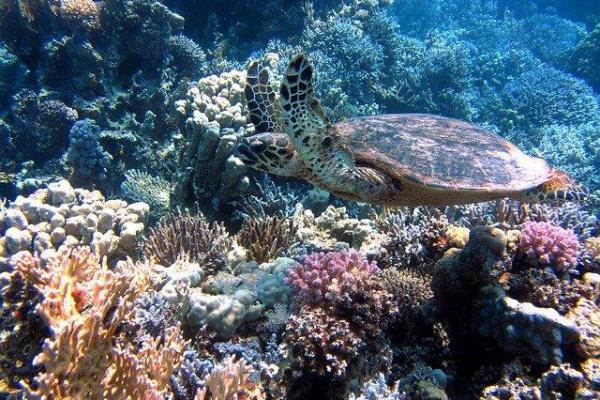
(325, 276)
(549, 245)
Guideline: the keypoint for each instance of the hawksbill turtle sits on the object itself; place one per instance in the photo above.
(391, 160)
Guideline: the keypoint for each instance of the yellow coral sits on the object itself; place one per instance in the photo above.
(457, 236)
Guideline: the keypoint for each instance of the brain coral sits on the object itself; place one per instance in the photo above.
(549, 245)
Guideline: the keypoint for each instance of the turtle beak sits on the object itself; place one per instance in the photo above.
(245, 153)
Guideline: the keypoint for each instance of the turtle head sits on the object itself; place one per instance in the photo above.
(270, 152)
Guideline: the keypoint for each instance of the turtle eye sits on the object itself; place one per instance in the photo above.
(258, 147)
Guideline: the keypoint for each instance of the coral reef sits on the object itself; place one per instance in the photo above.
(188, 236)
(85, 155)
(61, 216)
(212, 120)
(140, 186)
(252, 287)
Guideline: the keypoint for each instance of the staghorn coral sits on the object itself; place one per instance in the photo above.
(188, 236)
(189, 377)
(212, 121)
(270, 200)
(266, 238)
(152, 190)
(61, 216)
(547, 245)
(145, 372)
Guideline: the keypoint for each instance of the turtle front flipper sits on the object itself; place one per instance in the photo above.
(262, 99)
(558, 188)
(272, 153)
(310, 130)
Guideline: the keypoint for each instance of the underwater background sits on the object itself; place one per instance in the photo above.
(141, 259)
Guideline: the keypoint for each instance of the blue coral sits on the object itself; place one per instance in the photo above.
(86, 155)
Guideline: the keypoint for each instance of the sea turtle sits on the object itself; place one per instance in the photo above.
(392, 160)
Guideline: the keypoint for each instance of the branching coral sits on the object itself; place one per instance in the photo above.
(321, 343)
(270, 200)
(83, 304)
(416, 237)
(350, 284)
(184, 235)
(547, 96)
(329, 276)
(266, 238)
(152, 190)
(410, 290)
(586, 55)
(549, 246)
(231, 380)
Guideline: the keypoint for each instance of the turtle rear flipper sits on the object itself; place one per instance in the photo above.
(262, 99)
(559, 188)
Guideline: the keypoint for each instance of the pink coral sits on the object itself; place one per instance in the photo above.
(325, 276)
(549, 245)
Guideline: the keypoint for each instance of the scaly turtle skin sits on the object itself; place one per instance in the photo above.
(393, 160)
